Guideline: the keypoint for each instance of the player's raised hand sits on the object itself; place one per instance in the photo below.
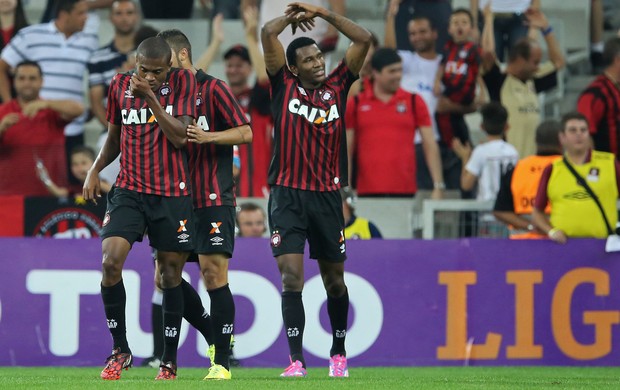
(302, 15)
(197, 135)
(92, 186)
(139, 86)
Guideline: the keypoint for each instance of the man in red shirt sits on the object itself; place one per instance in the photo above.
(381, 124)
(32, 128)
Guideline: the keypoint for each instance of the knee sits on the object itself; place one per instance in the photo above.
(334, 285)
(292, 281)
(112, 267)
(214, 277)
(170, 275)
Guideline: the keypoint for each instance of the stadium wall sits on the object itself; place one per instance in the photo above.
(414, 303)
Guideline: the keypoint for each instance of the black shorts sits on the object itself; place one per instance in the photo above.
(215, 230)
(168, 221)
(297, 215)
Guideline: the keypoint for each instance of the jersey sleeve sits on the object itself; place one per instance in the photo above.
(475, 163)
(422, 116)
(15, 52)
(113, 110)
(342, 76)
(227, 107)
(186, 91)
(541, 200)
(494, 79)
(591, 106)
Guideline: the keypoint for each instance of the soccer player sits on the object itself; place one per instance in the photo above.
(221, 124)
(308, 167)
(148, 113)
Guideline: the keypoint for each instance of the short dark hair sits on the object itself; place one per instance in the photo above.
(572, 115)
(64, 5)
(521, 49)
(419, 18)
(611, 51)
(494, 118)
(29, 63)
(177, 41)
(547, 134)
(298, 43)
(83, 149)
(145, 31)
(154, 47)
(249, 206)
(383, 57)
(464, 11)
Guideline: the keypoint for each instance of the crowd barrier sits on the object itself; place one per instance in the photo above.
(413, 302)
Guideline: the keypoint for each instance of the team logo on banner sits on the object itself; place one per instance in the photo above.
(69, 223)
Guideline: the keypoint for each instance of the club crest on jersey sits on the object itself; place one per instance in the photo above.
(462, 53)
(198, 100)
(401, 107)
(327, 95)
(164, 90)
(141, 116)
(313, 114)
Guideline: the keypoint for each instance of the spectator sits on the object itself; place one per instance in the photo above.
(518, 186)
(251, 220)
(31, 126)
(105, 63)
(509, 22)
(356, 228)
(458, 76)
(381, 124)
(12, 19)
(524, 78)
(597, 23)
(489, 160)
(239, 62)
(82, 158)
(62, 50)
(420, 67)
(436, 11)
(582, 187)
(600, 102)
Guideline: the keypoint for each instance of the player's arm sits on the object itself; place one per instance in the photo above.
(108, 153)
(487, 41)
(173, 127)
(235, 136)
(275, 58)
(95, 94)
(359, 36)
(464, 152)
(390, 24)
(217, 38)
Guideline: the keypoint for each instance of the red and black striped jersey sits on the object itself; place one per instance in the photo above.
(310, 151)
(150, 163)
(461, 65)
(211, 165)
(600, 103)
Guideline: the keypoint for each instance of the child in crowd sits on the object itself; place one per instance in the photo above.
(82, 158)
(458, 75)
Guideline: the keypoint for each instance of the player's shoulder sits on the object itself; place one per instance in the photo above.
(180, 74)
(121, 78)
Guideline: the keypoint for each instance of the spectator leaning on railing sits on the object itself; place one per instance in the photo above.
(582, 187)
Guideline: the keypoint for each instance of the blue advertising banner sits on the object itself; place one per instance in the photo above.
(453, 302)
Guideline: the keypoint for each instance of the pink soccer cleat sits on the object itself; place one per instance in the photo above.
(296, 369)
(338, 366)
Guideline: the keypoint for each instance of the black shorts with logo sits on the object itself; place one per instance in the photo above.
(168, 221)
(297, 215)
(215, 230)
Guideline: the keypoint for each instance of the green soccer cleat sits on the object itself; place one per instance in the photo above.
(218, 372)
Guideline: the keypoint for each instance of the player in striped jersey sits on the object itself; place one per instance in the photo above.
(148, 113)
(308, 167)
(221, 123)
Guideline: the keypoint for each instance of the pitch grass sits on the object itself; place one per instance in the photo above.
(361, 378)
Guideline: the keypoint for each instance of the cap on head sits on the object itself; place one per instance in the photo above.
(239, 51)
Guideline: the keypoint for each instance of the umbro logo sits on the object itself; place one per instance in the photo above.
(128, 94)
(217, 240)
